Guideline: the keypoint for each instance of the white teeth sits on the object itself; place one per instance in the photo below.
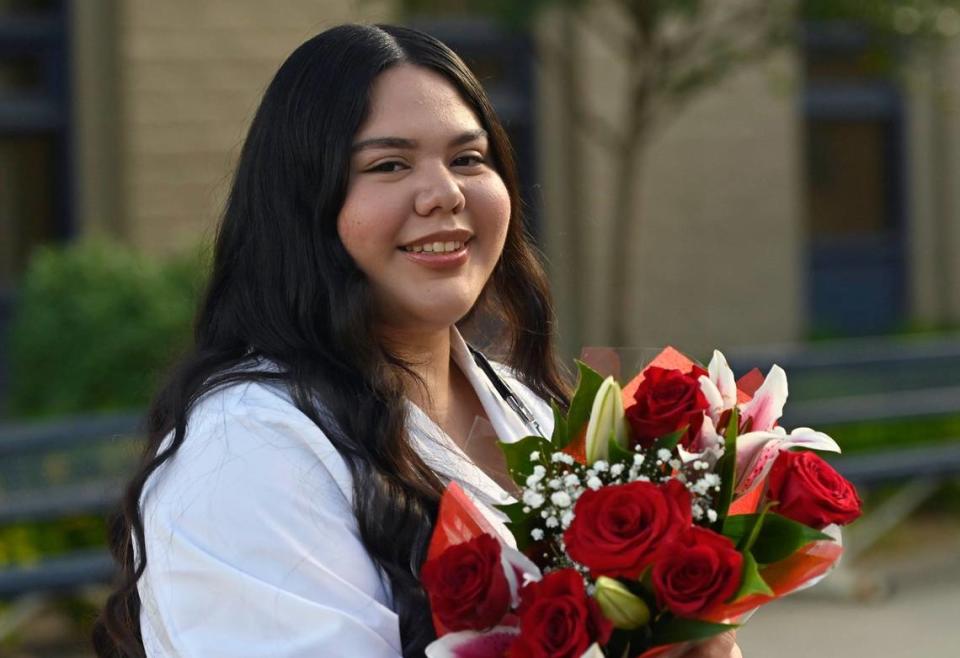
(435, 247)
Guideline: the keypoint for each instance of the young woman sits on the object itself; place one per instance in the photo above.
(297, 454)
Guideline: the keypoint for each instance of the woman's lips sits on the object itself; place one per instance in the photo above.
(439, 260)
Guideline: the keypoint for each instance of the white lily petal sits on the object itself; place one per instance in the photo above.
(749, 444)
(766, 407)
(722, 376)
(473, 644)
(708, 440)
(713, 396)
(519, 570)
(607, 420)
(593, 652)
(810, 438)
(707, 447)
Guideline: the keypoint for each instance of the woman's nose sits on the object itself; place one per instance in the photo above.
(439, 190)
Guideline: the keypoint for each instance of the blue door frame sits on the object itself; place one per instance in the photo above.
(857, 284)
(41, 37)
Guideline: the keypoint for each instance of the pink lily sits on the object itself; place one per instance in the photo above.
(756, 451)
(707, 447)
(493, 643)
(719, 386)
(765, 409)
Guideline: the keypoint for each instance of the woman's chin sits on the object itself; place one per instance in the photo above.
(432, 318)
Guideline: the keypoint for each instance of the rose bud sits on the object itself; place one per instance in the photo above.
(697, 571)
(467, 587)
(606, 421)
(666, 401)
(810, 491)
(621, 606)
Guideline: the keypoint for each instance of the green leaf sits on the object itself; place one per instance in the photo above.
(520, 523)
(517, 456)
(560, 436)
(675, 629)
(728, 469)
(751, 582)
(670, 441)
(582, 402)
(778, 536)
(619, 454)
(744, 529)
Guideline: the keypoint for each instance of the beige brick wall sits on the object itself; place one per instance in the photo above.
(933, 119)
(191, 76)
(718, 239)
(721, 245)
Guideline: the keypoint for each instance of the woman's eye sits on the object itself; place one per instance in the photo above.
(387, 167)
(468, 161)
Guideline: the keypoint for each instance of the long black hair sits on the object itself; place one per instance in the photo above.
(284, 288)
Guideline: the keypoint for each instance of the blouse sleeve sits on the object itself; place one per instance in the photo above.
(252, 546)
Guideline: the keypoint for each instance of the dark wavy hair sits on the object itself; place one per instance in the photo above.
(284, 288)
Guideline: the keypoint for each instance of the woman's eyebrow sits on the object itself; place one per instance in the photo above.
(404, 143)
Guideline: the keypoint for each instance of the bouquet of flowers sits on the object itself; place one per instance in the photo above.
(656, 515)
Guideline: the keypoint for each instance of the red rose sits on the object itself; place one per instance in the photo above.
(466, 585)
(558, 619)
(617, 529)
(667, 400)
(697, 570)
(811, 491)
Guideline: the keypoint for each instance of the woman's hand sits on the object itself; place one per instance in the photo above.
(721, 646)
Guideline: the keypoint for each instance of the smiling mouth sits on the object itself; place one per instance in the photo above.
(436, 247)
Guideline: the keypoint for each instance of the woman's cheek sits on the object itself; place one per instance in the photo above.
(492, 206)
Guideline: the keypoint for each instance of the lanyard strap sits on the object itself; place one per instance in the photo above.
(506, 392)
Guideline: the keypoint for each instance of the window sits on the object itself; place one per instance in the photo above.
(855, 180)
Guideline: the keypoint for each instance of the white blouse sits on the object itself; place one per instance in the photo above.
(252, 545)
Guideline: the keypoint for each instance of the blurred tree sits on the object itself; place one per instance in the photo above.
(673, 50)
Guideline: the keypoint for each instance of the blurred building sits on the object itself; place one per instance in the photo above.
(801, 196)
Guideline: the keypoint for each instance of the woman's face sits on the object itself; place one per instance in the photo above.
(426, 215)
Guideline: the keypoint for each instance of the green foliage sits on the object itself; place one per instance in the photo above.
(676, 629)
(517, 456)
(520, 523)
(670, 441)
(27, 542)
(509, 12)
(93, 326)
(727, 467)
(891, 434)
(582, 402)
(778, 538)
(752, 582)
